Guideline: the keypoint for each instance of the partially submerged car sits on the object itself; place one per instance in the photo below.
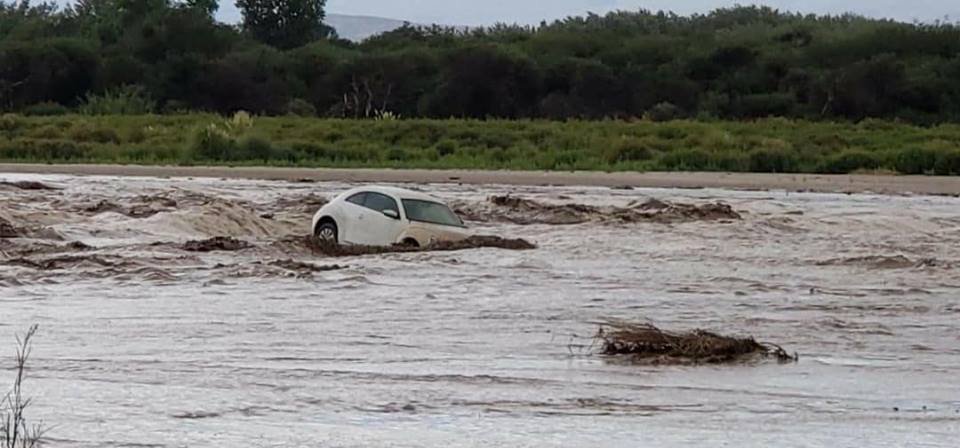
(385, 216)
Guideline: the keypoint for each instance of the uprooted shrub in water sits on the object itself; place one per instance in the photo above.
(28, 185)
(8, 230)
(648, 344)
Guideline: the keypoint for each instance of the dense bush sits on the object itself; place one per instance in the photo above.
(630, 150)
(850, 161)
(774, 161)
(124, 100)
(212, 143)
(301, 108)
(46, 109)
(948, 163)
(688, 160)
(915, 160)
(664, 111)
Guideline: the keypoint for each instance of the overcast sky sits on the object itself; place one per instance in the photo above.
(480, 12)
(486, 12)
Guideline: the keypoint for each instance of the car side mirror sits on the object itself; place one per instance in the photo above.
(391, 214)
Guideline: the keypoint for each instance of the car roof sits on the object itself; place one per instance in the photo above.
(401, 193)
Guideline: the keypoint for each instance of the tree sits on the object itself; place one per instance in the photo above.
(485, 81)
(284, 24)
(209, 7)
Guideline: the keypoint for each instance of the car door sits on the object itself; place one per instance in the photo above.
(354, 212)
(374, 228)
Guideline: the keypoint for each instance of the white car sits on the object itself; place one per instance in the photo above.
(385, 216)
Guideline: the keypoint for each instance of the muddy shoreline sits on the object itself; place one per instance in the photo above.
(879, 184)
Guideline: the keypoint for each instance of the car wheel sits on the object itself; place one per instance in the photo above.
(327, 232)
(410, 242)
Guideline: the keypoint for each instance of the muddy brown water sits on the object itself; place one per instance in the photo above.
(145, 344)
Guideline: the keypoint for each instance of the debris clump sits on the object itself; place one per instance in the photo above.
(7, 230)
(299, 266)
(318, 246)
(29, 185)
(647, 344)
(523, 211)
(220, 243)
(136, 211)
(881, 262)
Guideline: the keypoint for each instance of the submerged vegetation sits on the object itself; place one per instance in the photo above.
(764, 145)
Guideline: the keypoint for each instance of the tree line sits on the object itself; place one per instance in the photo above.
(166, 56)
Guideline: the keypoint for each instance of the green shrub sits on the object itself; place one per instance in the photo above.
(629, 150)
(772, 160)
(301, 108)
(663, 112)
(46, 109)
(255, 147)
(730, 161)
(136, 135)
(358, 154)
(48, 132)
(766, 105)
(45, 150)
(10, 122)
(848, 161)
(686, 160)
(176, 107)
(125, 100)
(312, 151)
(671, 132)
(88, 132)
(914, 160)
(446, 147)
(948, 163)
(568, 159)
(397, 155)
(213, 143)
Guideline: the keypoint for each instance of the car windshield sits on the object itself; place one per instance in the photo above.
(431, 212)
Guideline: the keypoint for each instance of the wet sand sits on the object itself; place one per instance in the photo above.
(881, 184)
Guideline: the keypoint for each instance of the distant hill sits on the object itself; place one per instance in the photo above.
(358, 28)
(355, 28)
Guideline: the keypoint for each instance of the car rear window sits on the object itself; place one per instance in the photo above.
(379, 202)
(357, 198)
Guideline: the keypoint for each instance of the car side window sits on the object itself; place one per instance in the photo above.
(357, 199)
(379, 202)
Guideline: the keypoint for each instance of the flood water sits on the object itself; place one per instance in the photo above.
(144, 344)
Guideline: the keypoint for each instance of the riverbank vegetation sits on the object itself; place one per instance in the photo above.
(737, 89)
(764, 145)
(741, 63)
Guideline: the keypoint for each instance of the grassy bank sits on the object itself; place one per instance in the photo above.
(770, 145)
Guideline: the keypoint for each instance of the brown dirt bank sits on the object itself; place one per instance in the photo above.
(933, 185)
